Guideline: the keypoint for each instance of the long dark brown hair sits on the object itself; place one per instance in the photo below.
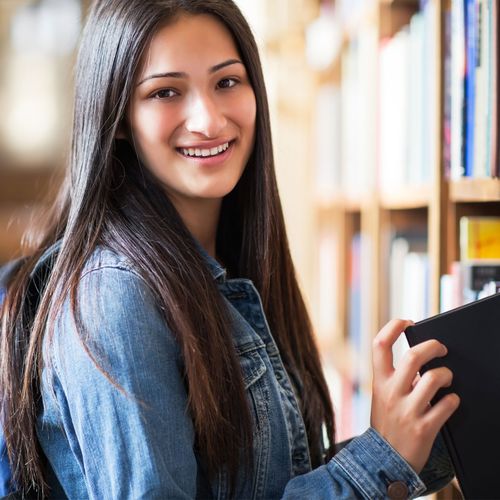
(108, 198)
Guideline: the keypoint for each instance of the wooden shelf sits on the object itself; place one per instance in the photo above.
(407, 197)
(347, 202)
(475, 190)
(400, 3)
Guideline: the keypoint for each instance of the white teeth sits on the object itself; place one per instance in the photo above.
(205, 152)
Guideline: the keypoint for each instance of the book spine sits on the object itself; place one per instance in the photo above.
(478, 162)
(470, 85)
(447, 94)
(457, 88)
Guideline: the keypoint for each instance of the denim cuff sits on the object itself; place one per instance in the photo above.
(373, 465)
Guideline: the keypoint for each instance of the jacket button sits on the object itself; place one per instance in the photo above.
(397, 490)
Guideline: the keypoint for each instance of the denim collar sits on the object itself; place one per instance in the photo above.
(216, 270)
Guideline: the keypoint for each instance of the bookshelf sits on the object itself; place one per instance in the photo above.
(407, 187)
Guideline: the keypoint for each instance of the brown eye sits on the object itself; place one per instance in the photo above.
(227, 83)
(164, 94)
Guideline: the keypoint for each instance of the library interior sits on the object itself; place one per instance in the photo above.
(385, 124)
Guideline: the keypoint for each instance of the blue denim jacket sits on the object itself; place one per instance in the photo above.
(103, 443)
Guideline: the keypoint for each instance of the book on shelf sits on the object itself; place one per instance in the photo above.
(466, 282)
(472, 433)
(408, 282)
(327, 139)
(327, 278)
(447, 105)
(494, 83)
(408, 94)
(480, 67)
(488, 289)
(394, 127)
(470, 83)
(359, 338)
(358, 109)
(479, 237)
(469, 279)
(457, 49)
(473, 76)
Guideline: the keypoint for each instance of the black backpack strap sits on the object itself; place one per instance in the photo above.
(8, 269)
(37, 282)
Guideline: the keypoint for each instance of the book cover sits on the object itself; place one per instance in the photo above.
(472, 434)
(479, 238)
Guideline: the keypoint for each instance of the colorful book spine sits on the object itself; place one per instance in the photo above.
(479, 238)
(470, 87)
(457, 69)
(447, 94)
(479, 166)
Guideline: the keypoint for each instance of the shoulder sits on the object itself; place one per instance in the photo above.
(116, 316)
(111, 289)
(110, 295)
(111, 276)
(107, 258)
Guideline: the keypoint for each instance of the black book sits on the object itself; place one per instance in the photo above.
(472, 434)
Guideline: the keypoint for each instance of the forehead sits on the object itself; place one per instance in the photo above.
(199, 41)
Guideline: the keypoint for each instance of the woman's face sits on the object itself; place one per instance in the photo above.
(192, 112)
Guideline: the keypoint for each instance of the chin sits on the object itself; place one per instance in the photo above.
(217, 191)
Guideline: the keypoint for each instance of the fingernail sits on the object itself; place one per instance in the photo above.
(445, 350)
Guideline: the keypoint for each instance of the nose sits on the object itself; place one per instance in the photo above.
(205, 116)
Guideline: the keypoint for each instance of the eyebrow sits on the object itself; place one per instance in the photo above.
(181, 74)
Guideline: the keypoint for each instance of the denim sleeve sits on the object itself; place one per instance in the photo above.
(129, 428)
(365, 468)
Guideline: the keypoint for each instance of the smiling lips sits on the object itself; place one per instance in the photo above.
(204, 152)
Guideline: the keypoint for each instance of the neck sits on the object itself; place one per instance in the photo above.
(201, 217)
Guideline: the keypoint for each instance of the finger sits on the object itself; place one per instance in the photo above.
(437, 415)
(382, 345)
(428, 385)
(414, 359)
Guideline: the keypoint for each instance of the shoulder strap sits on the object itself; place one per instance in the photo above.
(8, 269)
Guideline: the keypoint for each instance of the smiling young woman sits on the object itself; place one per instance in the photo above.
(150, 369)
(191, 118)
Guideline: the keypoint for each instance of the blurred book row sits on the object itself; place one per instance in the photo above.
(386, 103)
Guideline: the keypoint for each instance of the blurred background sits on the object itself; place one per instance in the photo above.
(384, 123)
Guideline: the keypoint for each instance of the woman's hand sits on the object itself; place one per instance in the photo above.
(400, 406)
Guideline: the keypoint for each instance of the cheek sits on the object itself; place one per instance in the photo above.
(244, 112)
(250, 111)
(151, 126)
